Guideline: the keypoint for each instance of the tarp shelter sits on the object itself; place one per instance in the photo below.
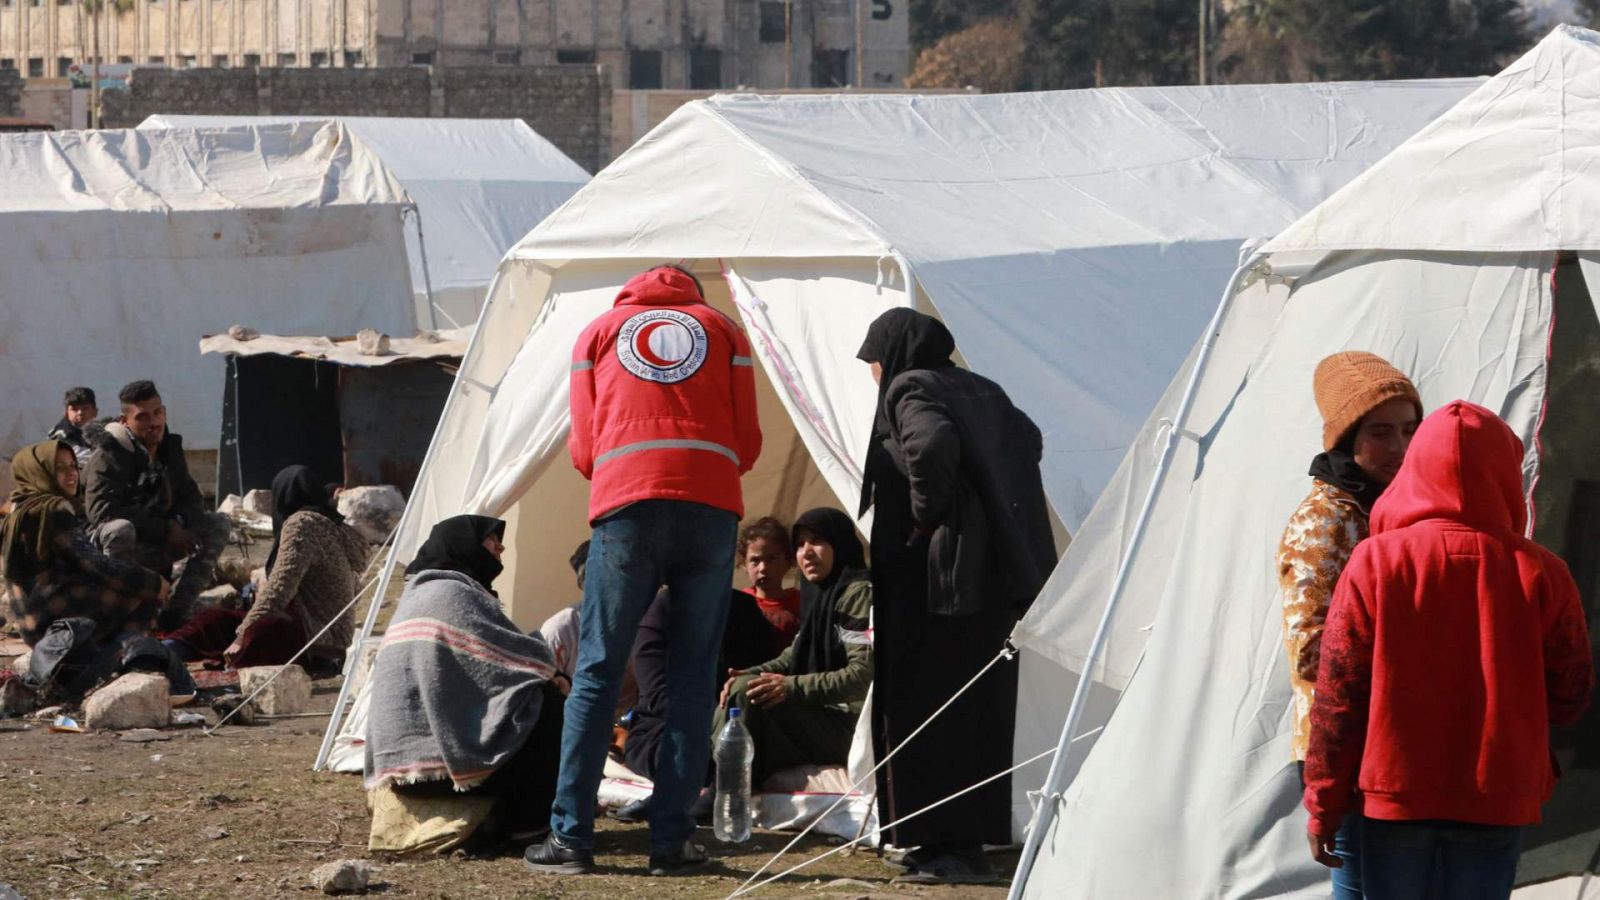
(1463, 257)
(354, 417)
(1073, 241)
(120, 249)
(480, 185)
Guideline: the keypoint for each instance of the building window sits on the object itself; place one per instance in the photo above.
(36, 67)
(705, 68)
(774, 24)
(422, 59)
(830, 68)
(508, 57)
(644, 69)
(158, 60)
(287, 59)
(35, 3)
(219, 61)
(319, 60)
(252, 60)
(63, 66)
(575, 57)
(8, 63)
(186, 62)
(353, 59)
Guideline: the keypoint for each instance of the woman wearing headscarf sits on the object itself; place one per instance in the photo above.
(462, 700)
(801, 707)
(313, 571)
(961, 544)
(1369, 411)
(52, 570)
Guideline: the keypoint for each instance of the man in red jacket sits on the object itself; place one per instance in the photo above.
(1453, 643)
(663, 426)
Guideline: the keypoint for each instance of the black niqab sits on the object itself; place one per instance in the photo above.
(456, 545)
(817, 647)
(293, 489)
(901, 340)
(1339, 468)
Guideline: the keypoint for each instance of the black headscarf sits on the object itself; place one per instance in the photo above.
(817, 647)
(456, 545)
(293, 489)
(1339, 468)
(899, 341)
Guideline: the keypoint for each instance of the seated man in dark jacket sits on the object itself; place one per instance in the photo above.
(143, 505)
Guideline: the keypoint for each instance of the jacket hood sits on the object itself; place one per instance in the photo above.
(1464, 465)
(108, 433)
(660, 287)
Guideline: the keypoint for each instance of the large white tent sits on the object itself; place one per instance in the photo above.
(480, 185)
(119, 250)
(1074, 242)
(1440, 258)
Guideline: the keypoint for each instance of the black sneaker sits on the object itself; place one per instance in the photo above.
(555, 857)
(678, 860)
(632, 812)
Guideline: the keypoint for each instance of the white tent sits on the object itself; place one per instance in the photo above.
(1439, 258)
(1074, 242)
(119, 250)
(479, 185)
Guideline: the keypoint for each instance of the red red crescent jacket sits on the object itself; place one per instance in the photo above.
(663, 400)
(1452, 644)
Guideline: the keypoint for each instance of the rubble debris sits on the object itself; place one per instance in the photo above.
(143, 736)
(227, 703)
(243, 333)
(347, 876)
(370, 342)
(373, 510)
(135, 700)
(289, 693)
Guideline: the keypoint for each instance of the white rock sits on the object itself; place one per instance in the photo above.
(223, 596)
(374, 511)
(288, 694)
(21, 663)
(136, 700)
(370, 342)
(347, 876)
(231, 505)
(258, 501)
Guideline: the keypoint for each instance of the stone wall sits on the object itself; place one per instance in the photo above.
(10, 93)
(569, 104)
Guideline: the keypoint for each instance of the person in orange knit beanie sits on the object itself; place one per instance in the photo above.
(1369, 410)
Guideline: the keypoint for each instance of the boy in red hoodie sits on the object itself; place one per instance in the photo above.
(663, 426)
(1452, 645)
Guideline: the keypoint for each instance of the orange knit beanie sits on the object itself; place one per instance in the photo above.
(1349, 385)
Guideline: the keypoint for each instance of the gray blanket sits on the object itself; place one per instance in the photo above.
(455, 688)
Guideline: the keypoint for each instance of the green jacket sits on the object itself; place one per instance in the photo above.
(844, 688)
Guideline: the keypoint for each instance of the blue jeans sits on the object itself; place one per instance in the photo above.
(1347, 846)
(1436, 860)
(688, 548)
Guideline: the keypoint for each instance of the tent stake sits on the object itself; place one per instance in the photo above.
(1046, 811)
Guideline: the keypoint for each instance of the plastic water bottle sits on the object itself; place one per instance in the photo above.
(730, 815)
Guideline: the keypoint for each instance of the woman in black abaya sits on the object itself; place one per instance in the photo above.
(961, 543)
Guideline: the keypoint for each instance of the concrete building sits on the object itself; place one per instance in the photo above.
(645, 44)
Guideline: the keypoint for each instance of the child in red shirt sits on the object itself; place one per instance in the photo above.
(765, 553)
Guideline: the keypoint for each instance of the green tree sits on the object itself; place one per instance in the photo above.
(1294, 40)
(1092, 43)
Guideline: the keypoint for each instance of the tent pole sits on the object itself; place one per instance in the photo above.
(352, 658)
(427, 280)
(1046, 810)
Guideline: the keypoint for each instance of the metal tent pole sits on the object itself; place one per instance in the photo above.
(1045, 813)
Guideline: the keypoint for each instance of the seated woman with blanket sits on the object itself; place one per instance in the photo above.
(461, 700)
(313, 571)
(801, 707)
(52, 570)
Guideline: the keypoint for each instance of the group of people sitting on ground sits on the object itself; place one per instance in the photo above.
(108, 539)
(664, 425)
(1431, 644)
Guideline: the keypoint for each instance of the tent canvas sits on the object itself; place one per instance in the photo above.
(1113, 215)
(120, 249)
(1439, 258)
(479, 186)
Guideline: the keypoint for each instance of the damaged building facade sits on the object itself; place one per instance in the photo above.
(645, 44)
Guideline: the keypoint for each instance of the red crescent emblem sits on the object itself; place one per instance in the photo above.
(641, 345)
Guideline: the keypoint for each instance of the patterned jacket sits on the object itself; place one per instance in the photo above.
(315, 577)
(78, 580)
(1316, 545)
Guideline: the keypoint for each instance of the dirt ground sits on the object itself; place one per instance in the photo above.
(240, 814)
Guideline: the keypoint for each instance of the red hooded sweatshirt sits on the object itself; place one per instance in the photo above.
(663, 400)
(1452, 644)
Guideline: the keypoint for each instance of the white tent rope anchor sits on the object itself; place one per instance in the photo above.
(1006, 652)
(360, 592)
